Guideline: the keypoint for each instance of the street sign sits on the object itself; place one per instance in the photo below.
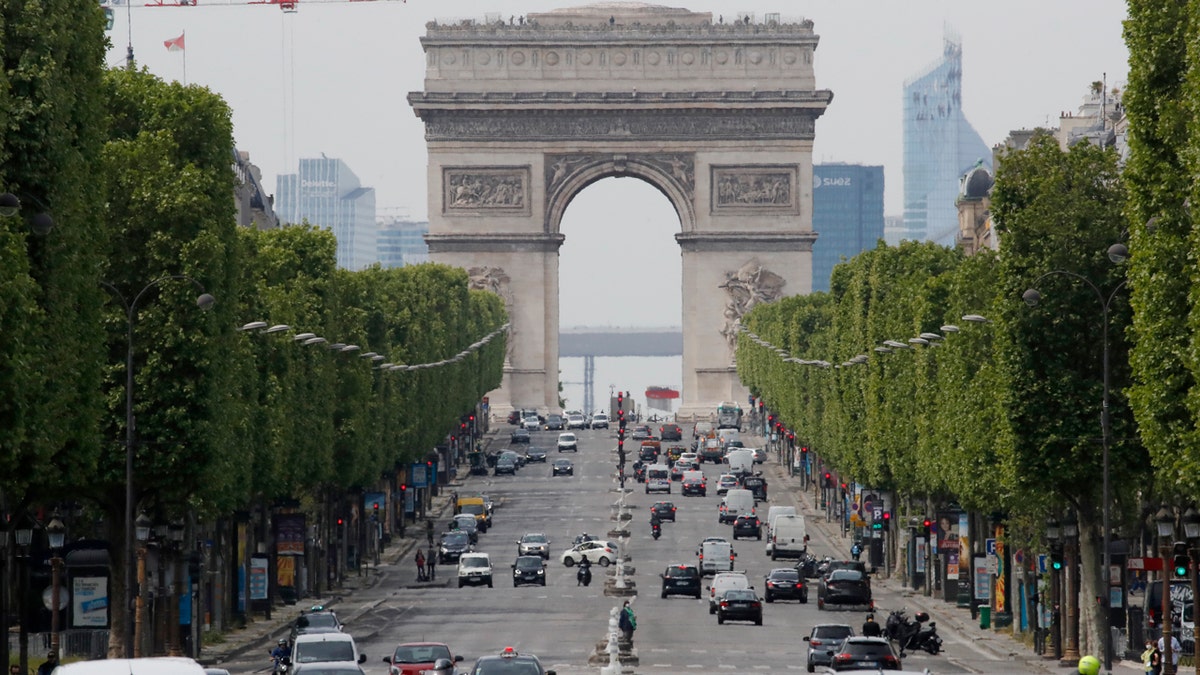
(989, 547)
(1042, 566)
(1145, 564)
(877, 513)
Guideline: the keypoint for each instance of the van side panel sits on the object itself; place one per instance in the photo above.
(789, 537)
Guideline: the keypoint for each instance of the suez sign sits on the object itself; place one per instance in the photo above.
(831, 181)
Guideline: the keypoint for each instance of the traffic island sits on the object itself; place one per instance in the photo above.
(618, 587)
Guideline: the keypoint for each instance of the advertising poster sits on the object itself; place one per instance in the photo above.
(418, 476)
(90, 598)
(948, 542)
(983, 579)
(289, 533)
(370, 499)
(258, 578)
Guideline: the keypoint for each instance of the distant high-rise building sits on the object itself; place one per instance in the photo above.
(847, 215)
(402, 242)
(940, 146)
(326, 193)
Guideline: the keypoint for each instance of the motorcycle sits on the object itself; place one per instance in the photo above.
(584, 575)
(807, 566)
(656, 530)
(912, 633)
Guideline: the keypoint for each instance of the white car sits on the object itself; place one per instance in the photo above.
(599, 421)
(474, 568)
(576, 422)
(602, 553)
(567, 441)
(531, 423)
(724, 581)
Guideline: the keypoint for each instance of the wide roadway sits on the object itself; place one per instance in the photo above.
(562, 622)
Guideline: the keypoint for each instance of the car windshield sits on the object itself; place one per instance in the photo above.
(473, 509)
(318, 621)
(682, 572)
(507, 667)
(316, 652)
(567, 437)
(534, 539)
(832, 632)
(420, 653)
(664, 506)
(845, 575)
(867, 649)
(529, 562)
(474, 562)
(785, 575)
(562, 462)
(454, 538)
(740, 595)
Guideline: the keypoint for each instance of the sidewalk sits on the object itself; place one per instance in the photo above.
(999, 643)
(396, 563)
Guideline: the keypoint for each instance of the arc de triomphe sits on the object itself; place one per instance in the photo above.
(719, 115)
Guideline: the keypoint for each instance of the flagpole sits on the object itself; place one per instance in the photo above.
(184, 33)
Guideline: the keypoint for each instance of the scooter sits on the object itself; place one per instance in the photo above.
(584, 575)
(912, 634)
(655, 530)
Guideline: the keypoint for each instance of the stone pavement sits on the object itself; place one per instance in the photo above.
(999, 643)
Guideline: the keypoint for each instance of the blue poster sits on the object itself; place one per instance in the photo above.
(258, 578)
(90, 597)
(417, 476)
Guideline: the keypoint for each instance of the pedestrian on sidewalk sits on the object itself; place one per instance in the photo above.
(431, 563)
(429, 531)
(1176, 648)
(420, 558)
(1152, 659)
(628, 622)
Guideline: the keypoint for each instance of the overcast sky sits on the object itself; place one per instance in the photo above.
(332, 78)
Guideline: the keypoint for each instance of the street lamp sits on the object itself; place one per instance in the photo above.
(1164, 521)
(1191, 530)
(142, 528)
(23, 535)
(205, 302)
(1070, 530)
(1053, 533)
(1116, 253)
(56, 535)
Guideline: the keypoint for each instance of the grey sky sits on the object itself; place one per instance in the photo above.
(333, 76)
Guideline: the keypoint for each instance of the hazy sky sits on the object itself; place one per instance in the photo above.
(332, 78)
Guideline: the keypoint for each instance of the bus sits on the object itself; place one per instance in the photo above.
(729, 416)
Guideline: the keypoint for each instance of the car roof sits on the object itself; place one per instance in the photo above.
(324, 637)
(862, 639)
(158, 665)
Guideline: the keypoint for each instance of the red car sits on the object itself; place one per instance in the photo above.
(414, 658)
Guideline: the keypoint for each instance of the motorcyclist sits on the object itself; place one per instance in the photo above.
(584, 575)
(870, 628)
(281, 653)
(655, 523)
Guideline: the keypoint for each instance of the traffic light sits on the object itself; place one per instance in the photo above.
(1056, 559)
(927, 527)
(375, 511)
(887, 519)
(828, 480)
(1181, 560)
(804, 449)
(771, 420)
(403, 491)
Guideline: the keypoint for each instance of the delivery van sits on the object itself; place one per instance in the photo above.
(772, 514)
(735, 503)
(478, 508)
(741, 461)
(716, 556)
(658, 478)
(789, 537)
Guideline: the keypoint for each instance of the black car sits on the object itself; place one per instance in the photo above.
(535, 455)
(665, 510)
(747, 525)
(505, 466)
(509, 662)
(562, 467)
(555, 423)
(318, 620)
(757, 485)
(514, 417)
(694, 486)
(648, 453)
(519, 436)
(739, 605)
(785, 583)
(453, 545)
(821, 639)
(681, 580)
(857, 653)
(517, 458)
(529, 569)
(670, 432)
(844, 587)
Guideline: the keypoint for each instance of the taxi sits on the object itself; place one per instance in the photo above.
(507, 662)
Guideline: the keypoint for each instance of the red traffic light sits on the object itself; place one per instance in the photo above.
(472, 418)
(843, 486)
(463, 426)
(804, 449)
(927, 523)
(340, 522)
(403, 488)
(429, 463)
(887, 515)
(376, 506)
(828, 475)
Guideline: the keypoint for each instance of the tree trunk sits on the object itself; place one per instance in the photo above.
(118, 611)
(1091, 589)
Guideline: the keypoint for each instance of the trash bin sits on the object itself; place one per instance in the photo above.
(985, 616)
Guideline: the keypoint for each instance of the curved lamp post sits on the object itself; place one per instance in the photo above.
(204, 301)
(1117, 253)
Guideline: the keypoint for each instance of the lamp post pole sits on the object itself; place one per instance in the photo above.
(1116, 253)
(205, 301)
(24, 537)
(56, 535)
(1164, 522)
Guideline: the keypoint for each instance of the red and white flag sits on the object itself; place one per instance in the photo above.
(174, 44)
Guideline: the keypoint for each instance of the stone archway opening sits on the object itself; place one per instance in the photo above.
(619, 267)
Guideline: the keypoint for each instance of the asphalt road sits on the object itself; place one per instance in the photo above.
(562, 622)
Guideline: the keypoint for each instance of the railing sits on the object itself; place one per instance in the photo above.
(85, 643)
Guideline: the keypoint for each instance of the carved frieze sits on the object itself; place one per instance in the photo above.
(755, 188)
(485, 190)
(496, 280)
(629, 125)
(750, 285)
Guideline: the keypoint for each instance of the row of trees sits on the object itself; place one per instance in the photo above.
(999, 417)
(137, 175)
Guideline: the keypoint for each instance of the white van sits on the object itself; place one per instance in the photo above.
(789, 537)
(658, 478)
(151, 665)
(716, 556)
(727, 435)
(740, 461)
(773, 513)
(735, 503)
(326, 648)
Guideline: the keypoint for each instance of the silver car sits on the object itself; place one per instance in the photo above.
(534, 543)
(567, 441)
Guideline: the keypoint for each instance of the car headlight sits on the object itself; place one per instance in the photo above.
(516, 573)
(541, 572)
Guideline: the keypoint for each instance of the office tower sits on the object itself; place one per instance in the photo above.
(326, 193)
(847, 215)
(939, 147)
(402, 241)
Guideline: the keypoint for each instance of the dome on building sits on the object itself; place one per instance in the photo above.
(977, 182)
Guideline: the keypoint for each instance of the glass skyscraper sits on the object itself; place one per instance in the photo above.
(847, 215)
(326, 193)
(402, 242)
(939, 147)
